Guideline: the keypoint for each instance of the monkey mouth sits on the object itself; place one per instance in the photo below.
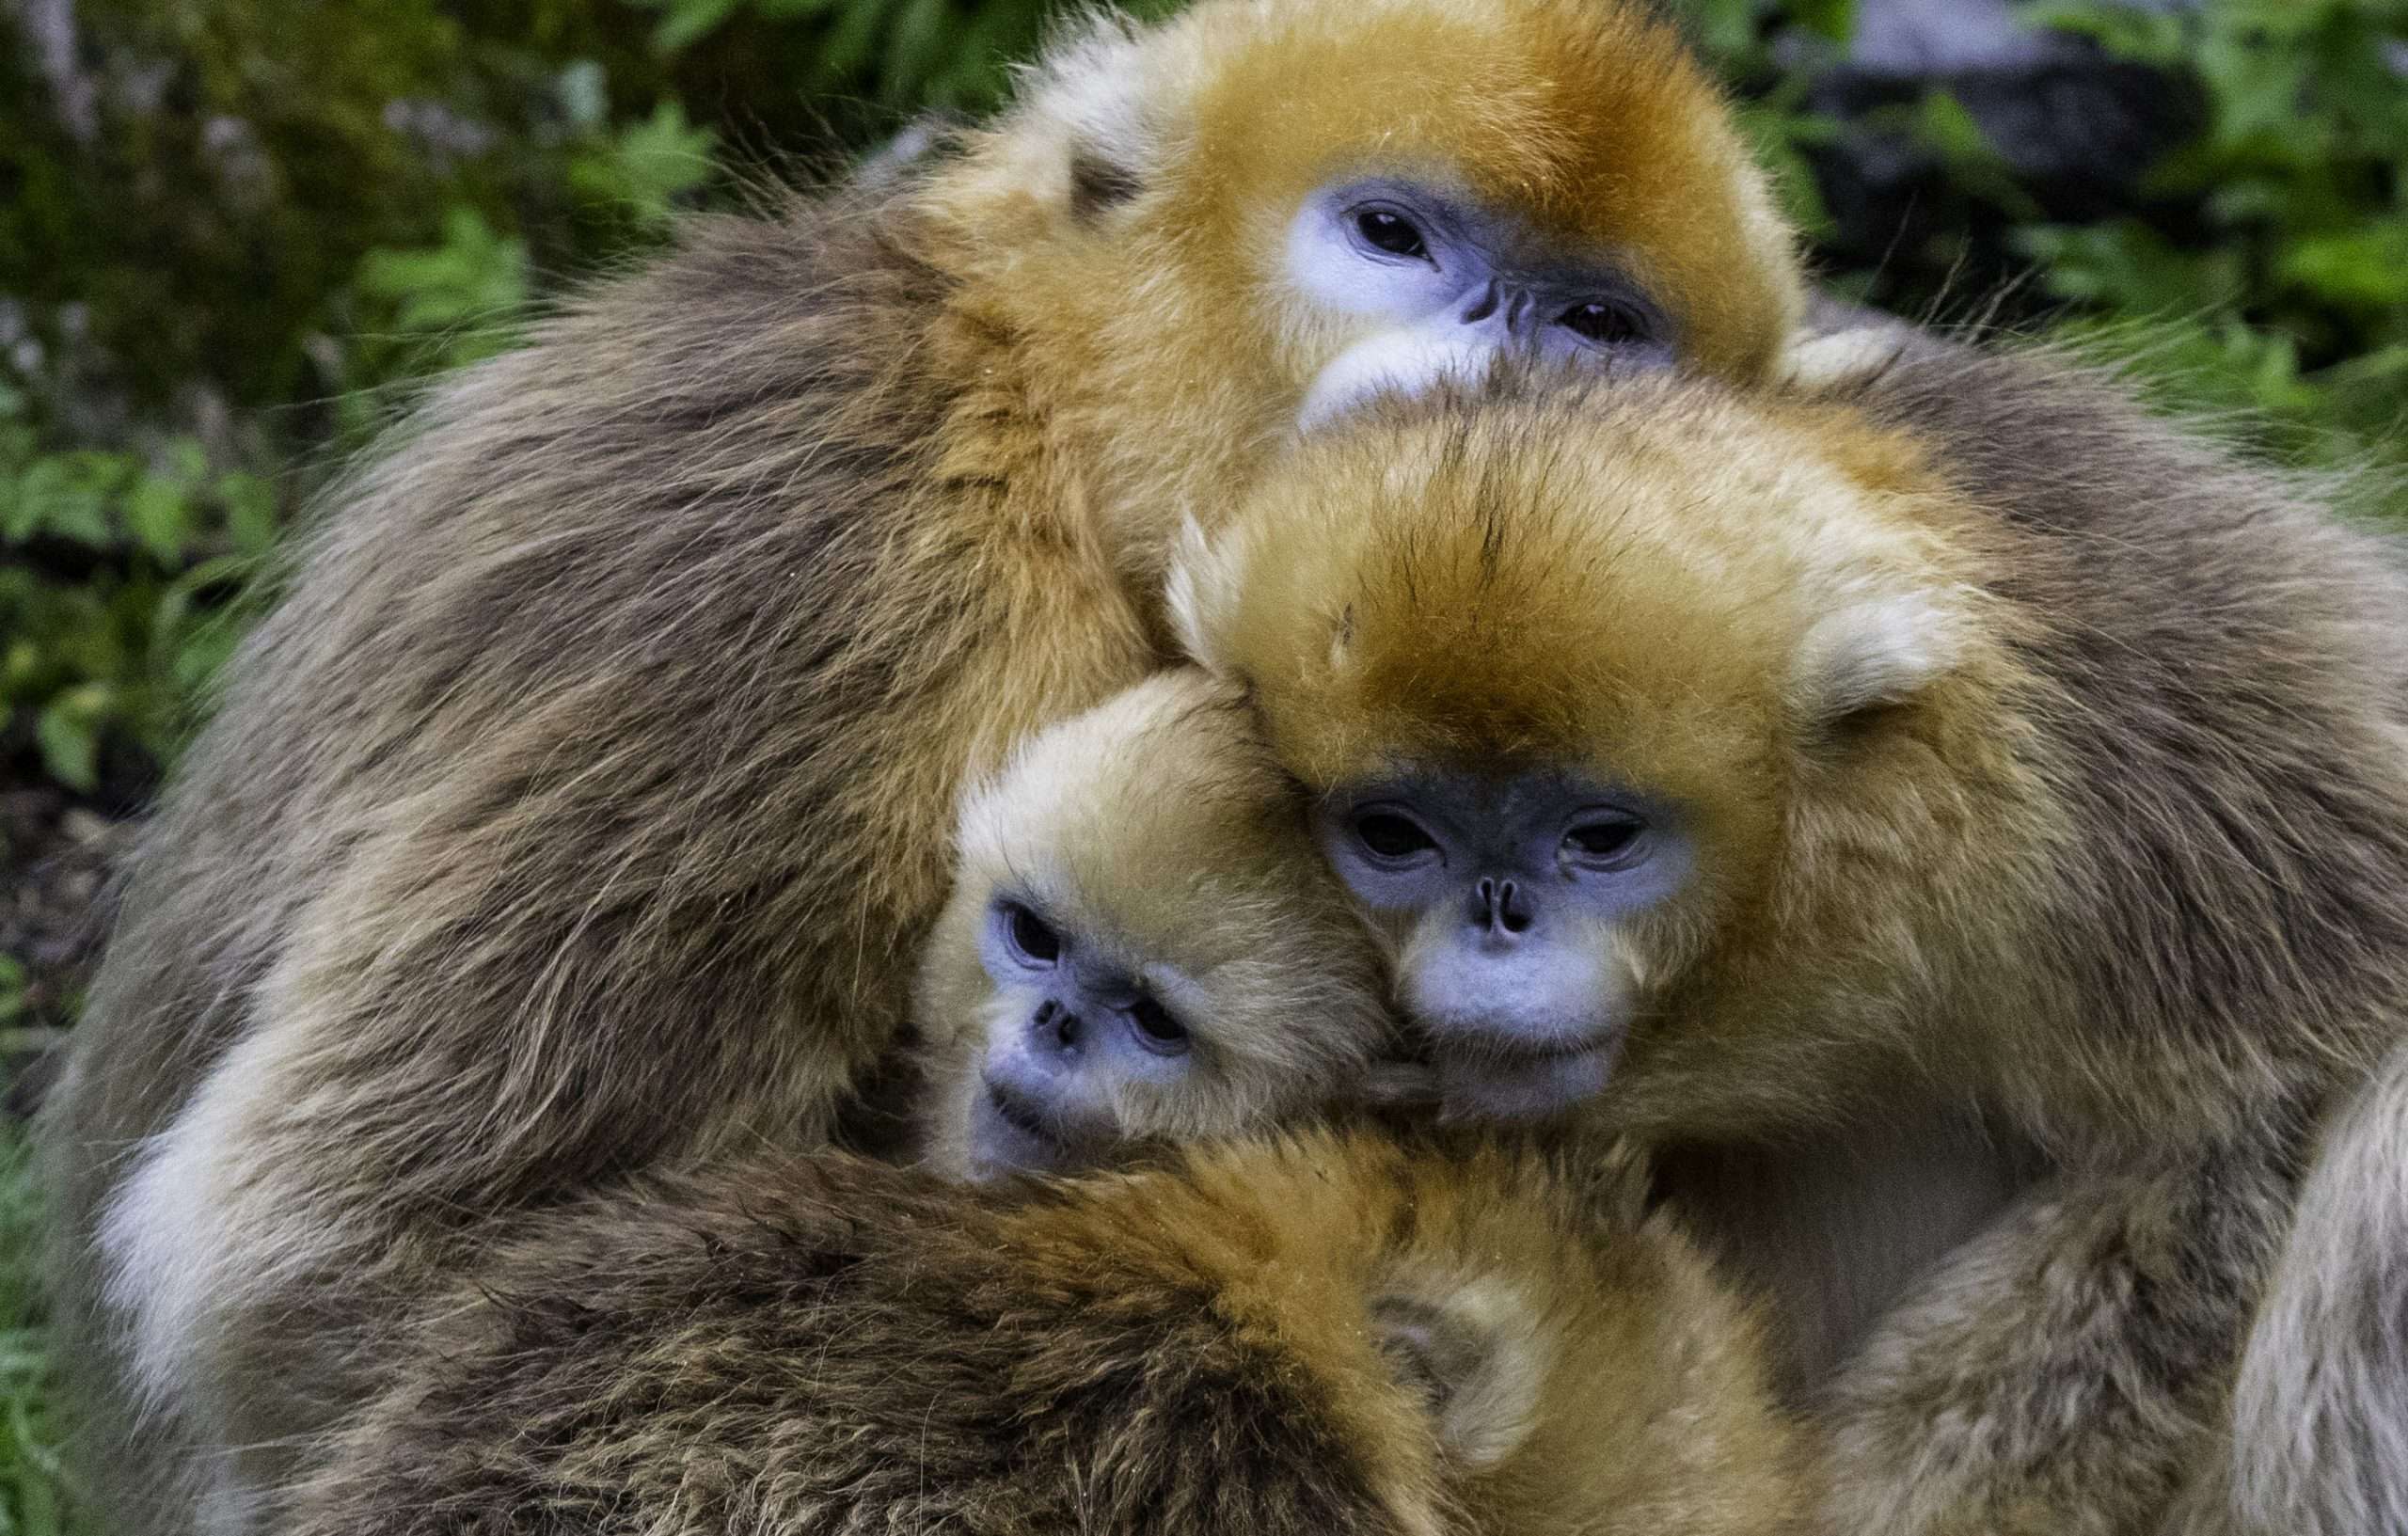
(1010, 1134)
(1020, 1115)
(1500, 1080)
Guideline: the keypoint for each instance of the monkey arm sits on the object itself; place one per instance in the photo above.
(777, 1348)
(2066, 1371)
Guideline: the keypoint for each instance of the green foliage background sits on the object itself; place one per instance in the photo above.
(233, 233)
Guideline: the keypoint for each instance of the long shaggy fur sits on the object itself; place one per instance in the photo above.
(2045, 772)
(2319, 1433)
(586, 801)
(1294, 1339)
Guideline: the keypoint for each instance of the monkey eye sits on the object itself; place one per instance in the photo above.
(1033, 939)
(1391, 835)
(1603, 839)
(1391, 233)
(1156, 1031)
(1604, 325)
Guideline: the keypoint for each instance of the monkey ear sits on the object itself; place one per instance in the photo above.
(1468, 1350)
(1201, 592)
(1871, 654)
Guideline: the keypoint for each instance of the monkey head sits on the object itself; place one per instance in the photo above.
(1260, 213)
(1620, 705)
(1142, 942)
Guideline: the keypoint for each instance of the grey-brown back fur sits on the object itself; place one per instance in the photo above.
(836, 1348)
(2232, 930)
(2227, 944)
(1302, 1337)
(595, 741)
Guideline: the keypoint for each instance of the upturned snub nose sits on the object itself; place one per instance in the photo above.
(1483, 304)
(1499, 907)
(1054, 1030)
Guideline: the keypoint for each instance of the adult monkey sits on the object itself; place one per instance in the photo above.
(1961, 822)
(581, 807)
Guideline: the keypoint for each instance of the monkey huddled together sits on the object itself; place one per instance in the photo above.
(1848, 895)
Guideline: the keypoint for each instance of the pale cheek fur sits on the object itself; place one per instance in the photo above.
(1394, 362)
(951, 1094)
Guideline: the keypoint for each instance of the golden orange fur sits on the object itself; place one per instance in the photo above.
(584, 804)
(1590, 119)
(2043, 773)
(1298, 1338)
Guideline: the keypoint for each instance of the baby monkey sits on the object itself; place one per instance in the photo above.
(1144, 943)
(1303, 1338)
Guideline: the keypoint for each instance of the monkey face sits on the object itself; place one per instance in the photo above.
(1416, 184)
(1256, 218)
(1433, 285)
(1143, 943)
(1508, 899)
(1085, 1031)
(1074, 1034)
(1613, 697)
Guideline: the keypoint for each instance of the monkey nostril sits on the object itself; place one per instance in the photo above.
(1483, 307)
(1056, 1027)
(1484, 904)
(1498, 906)
(1513, 914)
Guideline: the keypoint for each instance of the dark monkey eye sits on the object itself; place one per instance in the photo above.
(1392, 836)
(1603, 839)
(1156, 1031)
(1032, 935)
(1386, 229)
(1607, 324)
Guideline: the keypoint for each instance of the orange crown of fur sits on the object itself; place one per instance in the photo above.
(1590, 118)
(1641, 578)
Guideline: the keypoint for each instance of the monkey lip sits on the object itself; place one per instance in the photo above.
(1009, 1133)
(1496, 1080)
(1019, 1113)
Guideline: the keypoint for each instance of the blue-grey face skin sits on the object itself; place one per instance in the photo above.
(1451, 287)
(1505, 893)
(1082, 1023)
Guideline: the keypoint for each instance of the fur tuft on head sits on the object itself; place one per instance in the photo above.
(1626, 576)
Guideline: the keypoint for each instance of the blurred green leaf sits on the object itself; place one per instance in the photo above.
(684, 23)
(69, 731)
(62, 496)
(584, 90)
(1834, 20)
(469, 291)
(159, 514)
(647, 164)
(2367, 267)
(251, 522)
